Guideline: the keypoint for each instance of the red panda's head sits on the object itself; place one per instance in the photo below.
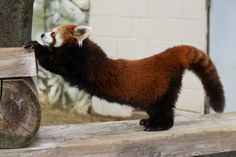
(66, 34)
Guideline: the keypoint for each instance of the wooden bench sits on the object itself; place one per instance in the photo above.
(19, 106)
(191, 136)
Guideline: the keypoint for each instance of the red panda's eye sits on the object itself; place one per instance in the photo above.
(53, 34)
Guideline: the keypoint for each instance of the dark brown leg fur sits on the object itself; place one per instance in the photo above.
(160, 118)
(161, 114)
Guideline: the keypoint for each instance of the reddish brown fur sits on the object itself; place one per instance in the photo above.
(152, 83)
(140, 82)
(67, 33)
(145, 81)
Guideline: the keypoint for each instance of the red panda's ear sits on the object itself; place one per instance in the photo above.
(82, 32)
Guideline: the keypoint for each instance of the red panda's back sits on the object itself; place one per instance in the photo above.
(140, 81)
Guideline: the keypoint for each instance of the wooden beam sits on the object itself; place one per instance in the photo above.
(17, 62)
(192, 135)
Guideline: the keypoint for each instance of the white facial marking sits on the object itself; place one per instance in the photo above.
(80, 43)
(47, 39)
(59, 40)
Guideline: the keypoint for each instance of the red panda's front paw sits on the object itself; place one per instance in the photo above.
(31, 45)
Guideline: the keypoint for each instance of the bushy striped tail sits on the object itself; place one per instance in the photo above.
(205, 69)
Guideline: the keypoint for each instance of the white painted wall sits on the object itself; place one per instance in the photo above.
(135, 29)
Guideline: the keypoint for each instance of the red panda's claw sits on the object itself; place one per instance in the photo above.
(31, 45)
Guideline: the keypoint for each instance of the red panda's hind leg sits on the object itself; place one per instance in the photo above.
(159, 119)
(161, 113)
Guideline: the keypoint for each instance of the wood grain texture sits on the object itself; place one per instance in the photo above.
(19, 113)
(17, 62)
(191, 136)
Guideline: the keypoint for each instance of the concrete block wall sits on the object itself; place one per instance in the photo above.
(134, 29)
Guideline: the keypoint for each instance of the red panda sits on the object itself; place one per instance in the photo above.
(151, 84)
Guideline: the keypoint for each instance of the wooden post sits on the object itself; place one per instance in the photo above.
(19, 107)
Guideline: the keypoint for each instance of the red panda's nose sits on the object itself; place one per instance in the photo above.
(42, 35)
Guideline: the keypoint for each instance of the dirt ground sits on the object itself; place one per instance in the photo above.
(54, 116)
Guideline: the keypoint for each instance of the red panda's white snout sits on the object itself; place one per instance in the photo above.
(53, 38)
(46, 38)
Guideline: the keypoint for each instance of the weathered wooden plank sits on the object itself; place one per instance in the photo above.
(17, 62)
(194, 135)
